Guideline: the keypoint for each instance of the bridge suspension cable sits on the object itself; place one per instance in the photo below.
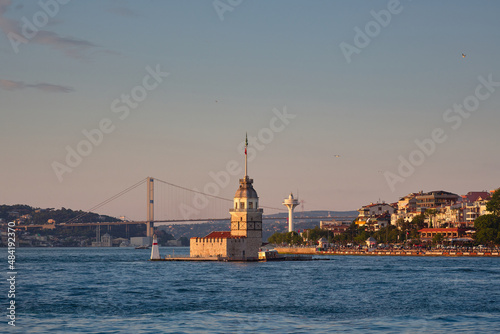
(141, 182)
(212, 196)
(112, 198)
(191, 190)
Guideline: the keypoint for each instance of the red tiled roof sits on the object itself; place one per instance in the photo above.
(473, 196)
(449, 229)
(221, 235)
(377, 204)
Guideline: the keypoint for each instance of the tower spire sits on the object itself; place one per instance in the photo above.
(246, 145)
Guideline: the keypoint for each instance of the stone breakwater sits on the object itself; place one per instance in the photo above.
(381, 252)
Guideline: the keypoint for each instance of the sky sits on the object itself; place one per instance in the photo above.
(344, 102)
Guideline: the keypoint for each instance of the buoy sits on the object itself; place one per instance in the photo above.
(155, 252)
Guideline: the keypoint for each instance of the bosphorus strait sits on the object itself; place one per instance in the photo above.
(117, 290)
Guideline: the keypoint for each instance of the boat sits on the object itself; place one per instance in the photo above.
(273, 255)
(142, 247)
(270, 255)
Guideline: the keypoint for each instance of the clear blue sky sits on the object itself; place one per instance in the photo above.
(226, 77)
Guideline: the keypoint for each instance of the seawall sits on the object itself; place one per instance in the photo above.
(377, 252)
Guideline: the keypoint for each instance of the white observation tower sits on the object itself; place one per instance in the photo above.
(290, 203)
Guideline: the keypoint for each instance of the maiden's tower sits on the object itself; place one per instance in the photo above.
(245, 238)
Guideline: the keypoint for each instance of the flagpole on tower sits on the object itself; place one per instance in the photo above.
(246, 145)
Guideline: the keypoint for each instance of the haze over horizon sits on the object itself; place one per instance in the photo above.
(345, 102)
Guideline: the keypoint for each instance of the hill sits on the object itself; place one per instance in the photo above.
(32, 215)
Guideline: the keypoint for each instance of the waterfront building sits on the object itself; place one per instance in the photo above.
(336, 227)
(450, 215)
(435, 199)
(448, 210)
(449, 234)
(374, 222)
(174, 243)
(324, 224)
(476, 208)
(408, 203)
(473, 196)
(375, 215)
(373, 209)
(104, 241)
(120, 241)
(140, 241)
(323, 243)
(371, 242)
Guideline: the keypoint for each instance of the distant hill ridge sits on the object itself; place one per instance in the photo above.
(41, 216)
(316, 213)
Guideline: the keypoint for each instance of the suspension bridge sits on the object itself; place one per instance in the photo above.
(177, 204)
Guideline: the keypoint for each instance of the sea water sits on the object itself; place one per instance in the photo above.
(117, 290)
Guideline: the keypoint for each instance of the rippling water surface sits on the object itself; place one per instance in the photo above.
(116, 290)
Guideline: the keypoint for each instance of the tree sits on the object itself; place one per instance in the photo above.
(163, 237)
(487, 229)
(351, 231)
(487, 236)
(362, 235)
(430, 213)
(276, 239)
(388, 234)
(437, 239)
(418, 222)
(316, 233)
(487, 221)
(400, 223)
(493, 205)
(184, 241)
(297, 240)
(293, 238)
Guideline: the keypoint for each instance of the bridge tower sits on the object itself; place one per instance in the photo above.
(150, 208)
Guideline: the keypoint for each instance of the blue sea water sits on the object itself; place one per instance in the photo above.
(117, 290)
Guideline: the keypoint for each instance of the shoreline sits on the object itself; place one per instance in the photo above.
(313, 251)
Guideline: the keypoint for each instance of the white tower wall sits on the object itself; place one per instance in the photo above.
(290, 203)
(155, 252)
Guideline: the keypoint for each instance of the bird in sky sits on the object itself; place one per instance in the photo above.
(337, 156)
(463, 55)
